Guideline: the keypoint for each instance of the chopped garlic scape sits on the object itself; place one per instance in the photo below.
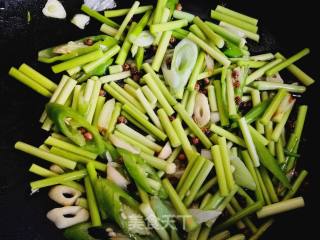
(232, 29)
(100, 5)
(54, 9)
(80, 20)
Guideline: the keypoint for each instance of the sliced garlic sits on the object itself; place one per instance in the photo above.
(201, 112)
(100, 5)
(80, 20)
(209, 63)
(116, 177)
(56, 169)
(108, 156)
(54, 9)
(134, 50)
(171, 168)
(66, 196)
(68, 216)
(165, 151)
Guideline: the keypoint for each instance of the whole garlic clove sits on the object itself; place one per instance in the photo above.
(66, 196)
(68, 216)
(201, 112)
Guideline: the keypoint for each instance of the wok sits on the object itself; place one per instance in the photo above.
(286, 26)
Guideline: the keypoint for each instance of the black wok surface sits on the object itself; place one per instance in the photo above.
(287, 26)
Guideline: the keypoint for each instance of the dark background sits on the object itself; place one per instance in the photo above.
(289, 27)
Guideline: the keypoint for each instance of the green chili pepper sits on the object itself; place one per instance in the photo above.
(78, 232)
(85, 231)
(82, 232)
(144, 175)
(270, 162)
(164, 212)
(110, 197)
(122, 208)
(171, 4)
(99, 71)
(51, 55)
(232, 50)
(69, 123)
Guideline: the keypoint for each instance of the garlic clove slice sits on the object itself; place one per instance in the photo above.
(201, 113)
(116, 177)
(64, 195)
(80, 20)
(54, 9)
(165, 151)
(100, 5)
(56, 169)
(68, 216)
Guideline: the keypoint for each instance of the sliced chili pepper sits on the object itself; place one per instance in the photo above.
(69, 122)
(122, 208)
(142, 174)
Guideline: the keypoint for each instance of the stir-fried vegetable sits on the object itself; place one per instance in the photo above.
(161, 143)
